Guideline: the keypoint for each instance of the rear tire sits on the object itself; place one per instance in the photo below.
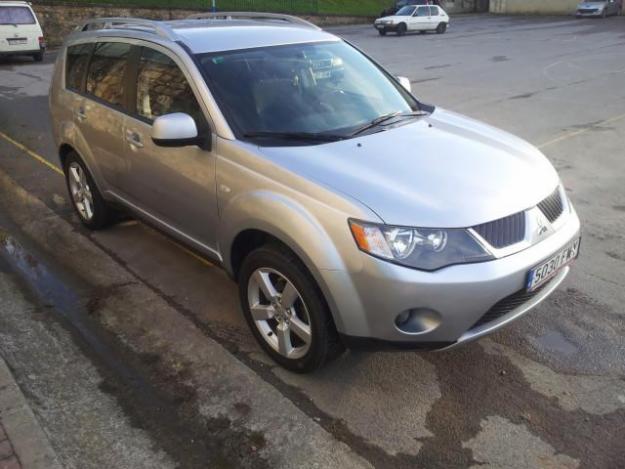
(38, 57)
(293, 324)
(441, 28)
(401, 29)
(91, 208)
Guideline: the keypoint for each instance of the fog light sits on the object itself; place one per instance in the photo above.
(418, 321)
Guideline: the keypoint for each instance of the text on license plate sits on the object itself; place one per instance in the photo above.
(15, 42)
(542, 273)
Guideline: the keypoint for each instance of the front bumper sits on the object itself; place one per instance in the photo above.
(386, 27)
(368, 301)
(589, 13)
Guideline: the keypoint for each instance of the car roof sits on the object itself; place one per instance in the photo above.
(208, 33)
(219, 36)
(14, 4)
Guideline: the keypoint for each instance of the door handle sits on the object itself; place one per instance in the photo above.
(81, 115)
(134, 139)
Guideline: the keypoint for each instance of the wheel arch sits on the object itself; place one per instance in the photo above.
(289, 225)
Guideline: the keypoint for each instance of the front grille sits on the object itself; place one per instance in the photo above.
(552, 206)
(507, 305)
(587, 10)
(503, 232)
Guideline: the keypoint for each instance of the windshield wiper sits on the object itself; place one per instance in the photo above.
(314, 137)
(385, 118)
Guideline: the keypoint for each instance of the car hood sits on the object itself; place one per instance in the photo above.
(442, 171)
(395, 19)
(590, 4)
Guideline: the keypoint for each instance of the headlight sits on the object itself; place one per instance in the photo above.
(420, 248)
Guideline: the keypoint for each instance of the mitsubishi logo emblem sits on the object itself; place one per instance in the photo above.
(542, 227)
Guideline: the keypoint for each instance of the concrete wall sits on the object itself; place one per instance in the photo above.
(532, 7)
(58, 20)
(465, 6)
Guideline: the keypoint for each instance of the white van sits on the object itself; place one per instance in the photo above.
(20, 32)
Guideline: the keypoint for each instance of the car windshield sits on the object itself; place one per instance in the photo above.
(406, 11)
(312, 88)
(16, 15)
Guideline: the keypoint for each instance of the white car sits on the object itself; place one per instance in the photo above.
(420, 18)
(20, 32)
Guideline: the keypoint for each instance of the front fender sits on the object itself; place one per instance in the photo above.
(316, 243)
(286, 220)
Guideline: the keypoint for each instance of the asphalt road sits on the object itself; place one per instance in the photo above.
(547, 391)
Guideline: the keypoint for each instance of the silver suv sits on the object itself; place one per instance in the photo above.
(349, 212)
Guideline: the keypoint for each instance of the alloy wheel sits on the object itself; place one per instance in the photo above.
(80, 190)
(279, 313)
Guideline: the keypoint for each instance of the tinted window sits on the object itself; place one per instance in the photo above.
(105, 79)
(434, 11)
(423, 11)
(16, 15)
(163, 89)
(76, 65)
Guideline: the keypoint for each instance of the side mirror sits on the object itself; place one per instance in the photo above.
(175, 130)
(405, 82)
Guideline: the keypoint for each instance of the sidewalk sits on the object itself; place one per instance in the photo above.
(23, 444)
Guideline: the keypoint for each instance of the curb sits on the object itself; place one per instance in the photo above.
(31, 448)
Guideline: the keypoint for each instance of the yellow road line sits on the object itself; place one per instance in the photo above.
(575, 133)
(58, 170)
(31, 153)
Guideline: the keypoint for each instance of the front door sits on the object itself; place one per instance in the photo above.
(173, 186)
(421, 19)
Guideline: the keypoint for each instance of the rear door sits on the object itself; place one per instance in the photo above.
(19, 29)
(174, 185)
(99, 108)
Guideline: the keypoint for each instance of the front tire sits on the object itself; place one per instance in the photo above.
(401, 29)
(382, 32)
(91, 208)
(286, 310)
(441, 28)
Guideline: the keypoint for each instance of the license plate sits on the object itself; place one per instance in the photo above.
(541, 274)
(323, 75)
(16, 42)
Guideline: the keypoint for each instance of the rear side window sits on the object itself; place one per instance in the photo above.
(16, 15)
(423, 11)
(105, 79)
(163, 89)
(76, 65)
(434, 11)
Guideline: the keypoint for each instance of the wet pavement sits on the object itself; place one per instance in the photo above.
(547, 391)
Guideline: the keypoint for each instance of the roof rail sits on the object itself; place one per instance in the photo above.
(249, 15)
(157, 27)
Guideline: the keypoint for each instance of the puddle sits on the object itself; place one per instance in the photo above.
(61, 299)
(555, 342)
(147, 392)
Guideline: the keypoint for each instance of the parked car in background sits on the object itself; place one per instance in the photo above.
(599, 8)
(402, 3)
(20, 32)
(349, 212)
(422, 18)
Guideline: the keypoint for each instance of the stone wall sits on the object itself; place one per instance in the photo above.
(58, 20)
(533, 7)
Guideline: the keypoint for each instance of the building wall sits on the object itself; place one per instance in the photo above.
(58, 20)
(532, 7)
